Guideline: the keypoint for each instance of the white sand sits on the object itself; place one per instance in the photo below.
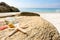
(54, 18)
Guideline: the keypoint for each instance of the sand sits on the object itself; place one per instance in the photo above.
(37, 28)
(54, 18)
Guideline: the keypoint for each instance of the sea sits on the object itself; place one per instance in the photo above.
(40, 9)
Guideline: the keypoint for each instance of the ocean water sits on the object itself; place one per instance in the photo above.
(39, 9)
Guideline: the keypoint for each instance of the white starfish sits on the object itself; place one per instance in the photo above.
(20, 28)
(14, 31)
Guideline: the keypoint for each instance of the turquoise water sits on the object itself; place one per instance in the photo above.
(40, 9)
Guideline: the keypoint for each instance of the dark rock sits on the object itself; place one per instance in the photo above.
(29, 14)
(14, 9)
(6, 8)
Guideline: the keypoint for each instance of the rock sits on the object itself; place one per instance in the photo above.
(6, 8)
(37, 28)
(13, 9)
(58, 38)
(29, 14)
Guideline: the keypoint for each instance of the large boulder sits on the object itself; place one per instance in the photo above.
(34, 27)
(6, 8)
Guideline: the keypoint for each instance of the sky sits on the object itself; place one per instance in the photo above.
(33, 3)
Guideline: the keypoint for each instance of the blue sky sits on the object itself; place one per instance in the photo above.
(33, 3)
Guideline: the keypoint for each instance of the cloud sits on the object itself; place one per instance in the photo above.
(34, 5)
(9, 2)
(54, 5)
(24, 4)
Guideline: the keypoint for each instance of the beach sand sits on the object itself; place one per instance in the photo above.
(53, 18)
(37, 23)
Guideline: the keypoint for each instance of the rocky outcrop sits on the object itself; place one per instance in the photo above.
(6, 8)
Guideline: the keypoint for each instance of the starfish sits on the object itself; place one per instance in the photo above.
(20, 28)
(14, 31)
